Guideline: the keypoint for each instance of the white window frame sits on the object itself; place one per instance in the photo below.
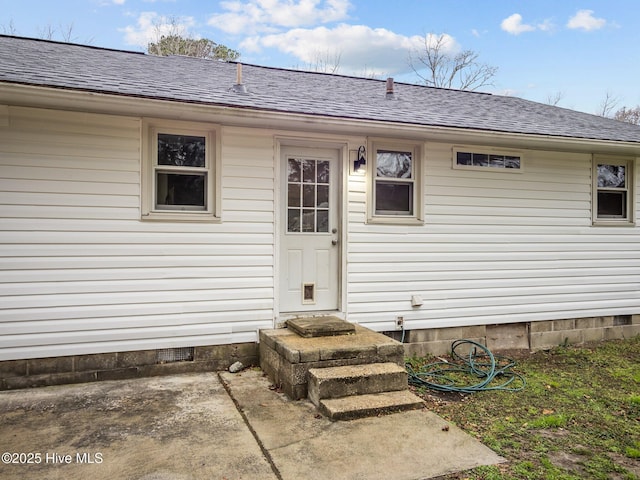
(486, 151)
(628, 163)
(150, 130)
(416, 149)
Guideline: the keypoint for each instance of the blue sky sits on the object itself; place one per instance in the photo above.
(582, 50)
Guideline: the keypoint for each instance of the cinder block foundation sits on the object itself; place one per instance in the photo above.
(523, 336)
(42, 372)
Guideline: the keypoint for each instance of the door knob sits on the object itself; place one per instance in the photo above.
(334, 242)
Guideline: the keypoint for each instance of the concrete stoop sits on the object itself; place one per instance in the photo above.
(347, 371)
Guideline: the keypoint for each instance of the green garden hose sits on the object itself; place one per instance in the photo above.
(479, 370)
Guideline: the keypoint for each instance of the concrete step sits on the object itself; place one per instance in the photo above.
(287, 357)
(360, 406)
(343, 381)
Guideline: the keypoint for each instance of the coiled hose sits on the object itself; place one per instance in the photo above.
(491, 372)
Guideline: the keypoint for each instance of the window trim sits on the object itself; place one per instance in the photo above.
(416, 149)
(629, 164)
(486, 151)
(150, 129)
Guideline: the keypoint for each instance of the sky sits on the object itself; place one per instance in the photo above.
(574, 53)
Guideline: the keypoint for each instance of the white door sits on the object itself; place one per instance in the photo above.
(309, 232)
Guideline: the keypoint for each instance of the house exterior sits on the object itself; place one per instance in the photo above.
(153, 203)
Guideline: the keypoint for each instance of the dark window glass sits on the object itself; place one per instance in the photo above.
(394, 198)
(181, 150)
(308, 195)
(480, 160)
(463, 158)
(181, 190)
(612, 204)
(293, 195)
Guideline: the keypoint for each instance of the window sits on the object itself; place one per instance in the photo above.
(613, 178)
(474, 158)
(180, 177)
(395, 182)
(307, 195)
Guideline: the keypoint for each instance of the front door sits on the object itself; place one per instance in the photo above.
(309, 232)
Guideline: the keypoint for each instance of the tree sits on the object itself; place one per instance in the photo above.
(200, 48)
(629, 115)
(607, 105)
(443, 69)
(555, 98)
(172, 38)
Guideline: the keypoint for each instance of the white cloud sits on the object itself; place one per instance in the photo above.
(357, 48)
(266, 16)
(513, 25)
(151, 25)
(584, 20)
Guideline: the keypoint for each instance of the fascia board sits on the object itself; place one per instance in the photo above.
(74, 100)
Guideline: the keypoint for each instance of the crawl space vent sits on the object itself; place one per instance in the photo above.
(172, 355)
(619, 320)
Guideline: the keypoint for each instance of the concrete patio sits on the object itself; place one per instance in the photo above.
(216, 426)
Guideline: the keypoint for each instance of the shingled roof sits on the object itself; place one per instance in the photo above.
(183, 79)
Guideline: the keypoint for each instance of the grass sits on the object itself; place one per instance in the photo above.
(577, 418)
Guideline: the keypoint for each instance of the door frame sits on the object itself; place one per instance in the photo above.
(329, 143)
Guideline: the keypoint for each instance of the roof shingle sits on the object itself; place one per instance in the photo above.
(185, 79)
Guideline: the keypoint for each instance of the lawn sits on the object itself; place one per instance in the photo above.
(578, 416)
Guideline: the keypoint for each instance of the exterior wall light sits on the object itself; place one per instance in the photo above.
(360, 163)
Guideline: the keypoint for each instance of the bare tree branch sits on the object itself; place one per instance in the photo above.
(607, 105)
(555, 98)
(9, 29)
(436, 67)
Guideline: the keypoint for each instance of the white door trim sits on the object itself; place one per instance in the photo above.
(342, 146)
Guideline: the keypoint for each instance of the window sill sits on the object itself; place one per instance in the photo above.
(613, 223)
(394, 220)
(180, 217)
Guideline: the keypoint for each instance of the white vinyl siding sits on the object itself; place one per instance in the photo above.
(80, 273)
(494, 248)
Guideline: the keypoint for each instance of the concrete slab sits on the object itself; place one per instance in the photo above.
(326, 326)
(183, 427)
(302, 444)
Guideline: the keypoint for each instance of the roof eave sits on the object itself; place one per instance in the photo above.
(27, 95)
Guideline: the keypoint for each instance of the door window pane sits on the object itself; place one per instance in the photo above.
(322, 221)
(309, 171)
(293, 170)
(293, 220)
(322, 200)
(323, 172)
(309, 195)
(293, 198)
(308, 220)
